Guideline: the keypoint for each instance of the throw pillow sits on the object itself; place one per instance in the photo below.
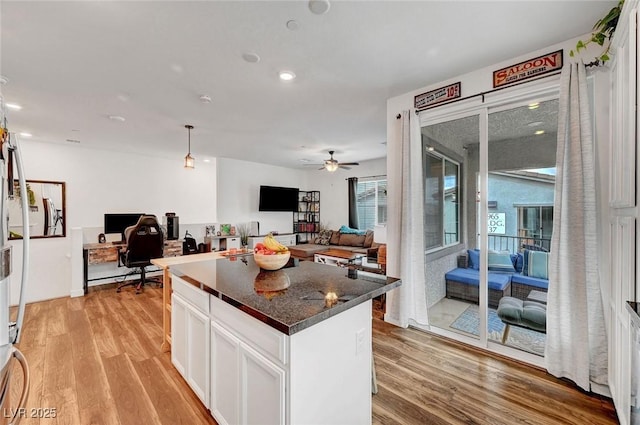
(335, 238)
(368, 239)
(347, 229)
(525, 262)
(500, 262)
(474, 259)
(351, 239)
(538, 264)
(324, 237)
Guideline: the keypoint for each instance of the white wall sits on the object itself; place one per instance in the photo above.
(239, 190)
(99, 181)
(334, 194)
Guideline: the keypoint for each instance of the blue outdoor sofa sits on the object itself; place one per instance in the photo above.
(514, 275)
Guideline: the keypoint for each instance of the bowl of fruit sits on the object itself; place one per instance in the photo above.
(270, 254)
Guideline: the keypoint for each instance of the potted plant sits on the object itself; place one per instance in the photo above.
(603, 31)
(243, 232)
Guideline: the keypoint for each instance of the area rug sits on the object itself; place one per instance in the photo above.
(520, 338)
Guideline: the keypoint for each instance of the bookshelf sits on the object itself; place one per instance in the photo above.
(306, 221)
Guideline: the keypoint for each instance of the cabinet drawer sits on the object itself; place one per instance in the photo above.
(194, 296)
(262, 337)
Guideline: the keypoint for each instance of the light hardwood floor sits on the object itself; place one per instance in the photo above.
(96, 360)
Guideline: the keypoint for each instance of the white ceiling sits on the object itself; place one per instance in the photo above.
(73, 64)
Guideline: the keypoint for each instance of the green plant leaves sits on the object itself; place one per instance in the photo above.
(604, 29)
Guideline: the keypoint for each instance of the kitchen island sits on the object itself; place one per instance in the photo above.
(290, 346)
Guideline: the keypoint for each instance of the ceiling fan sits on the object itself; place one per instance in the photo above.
(332, 165)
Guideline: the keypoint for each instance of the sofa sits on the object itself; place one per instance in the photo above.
(514, 275)
(344, 238)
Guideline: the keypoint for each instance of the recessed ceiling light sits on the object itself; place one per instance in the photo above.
(251, 57)
(293, 25)
(287, 75)
(535, 124)
(123, 97)
(72, 141)
(534, 105)
(13, 106)
(25, 134)
(304, 160)
(206, 160)
(205, 99)
(319, 7)
(430, 148)
(3, 80)
(117, 118)
(539, 132)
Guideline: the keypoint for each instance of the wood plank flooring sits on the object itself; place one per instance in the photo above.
(97, 360)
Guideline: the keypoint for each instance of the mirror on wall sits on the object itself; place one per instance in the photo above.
(46, 210)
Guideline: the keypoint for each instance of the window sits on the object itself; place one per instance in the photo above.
(441, 201)
(371, 201)
(536, 224)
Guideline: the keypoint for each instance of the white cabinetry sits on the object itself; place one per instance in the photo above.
(190, 336)
(247, 386)
(624, 255)
(288, 239)
(225, 373)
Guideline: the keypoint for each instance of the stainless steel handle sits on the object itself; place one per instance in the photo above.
(15, 420)
(25, 238)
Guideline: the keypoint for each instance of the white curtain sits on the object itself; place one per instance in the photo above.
(576, 346)
(405, 227)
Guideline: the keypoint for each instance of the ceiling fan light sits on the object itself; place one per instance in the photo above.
(331, 166)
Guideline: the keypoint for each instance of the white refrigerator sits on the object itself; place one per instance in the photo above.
(11, 169)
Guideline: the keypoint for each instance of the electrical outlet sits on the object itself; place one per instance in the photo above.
(360, 341)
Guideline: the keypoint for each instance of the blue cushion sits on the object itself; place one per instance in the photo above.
(497, 280)
(538, 264)
(500, 262)
(525, 262)
(347, 229)
(531, 281)
(474, 259)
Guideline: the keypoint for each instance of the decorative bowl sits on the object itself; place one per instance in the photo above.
(272, 262)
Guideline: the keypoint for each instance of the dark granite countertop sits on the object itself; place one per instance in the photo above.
(290, 299)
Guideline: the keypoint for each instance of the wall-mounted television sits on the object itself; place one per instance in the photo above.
(273, 198)
(117, 223)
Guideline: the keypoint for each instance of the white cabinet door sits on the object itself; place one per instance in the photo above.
(225, 376)
(198, 353)
(262, 389)
(179, 334)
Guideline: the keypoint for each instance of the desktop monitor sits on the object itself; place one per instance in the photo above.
(117, 223)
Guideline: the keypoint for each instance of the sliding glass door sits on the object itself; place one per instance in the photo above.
(489, 176)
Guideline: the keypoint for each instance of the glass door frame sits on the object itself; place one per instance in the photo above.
(491, 102)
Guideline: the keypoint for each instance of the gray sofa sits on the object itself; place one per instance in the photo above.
(333, 239)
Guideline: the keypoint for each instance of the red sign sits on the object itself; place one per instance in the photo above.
(442, 94)
(528, 69)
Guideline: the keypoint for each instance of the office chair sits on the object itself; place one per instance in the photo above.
(144, 242)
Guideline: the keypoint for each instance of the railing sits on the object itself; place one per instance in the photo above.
(515, 244)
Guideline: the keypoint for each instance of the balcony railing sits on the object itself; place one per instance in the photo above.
(515, 244)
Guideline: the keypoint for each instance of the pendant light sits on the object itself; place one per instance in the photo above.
(189, 161)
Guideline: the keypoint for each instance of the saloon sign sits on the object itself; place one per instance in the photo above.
(528, 69)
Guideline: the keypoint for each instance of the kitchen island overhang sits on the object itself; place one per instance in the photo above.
(310, 292)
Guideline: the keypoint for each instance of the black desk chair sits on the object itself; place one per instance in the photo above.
(144, 242)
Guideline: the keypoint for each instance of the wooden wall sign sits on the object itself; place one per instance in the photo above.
(440, 95)
(528, 69)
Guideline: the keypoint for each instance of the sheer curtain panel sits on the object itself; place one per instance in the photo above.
(576, 346)
(405, 225)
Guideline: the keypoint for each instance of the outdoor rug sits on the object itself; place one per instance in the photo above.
(523, 339)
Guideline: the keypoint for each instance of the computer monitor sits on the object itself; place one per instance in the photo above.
(117, 223)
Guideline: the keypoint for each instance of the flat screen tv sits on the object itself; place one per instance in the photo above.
(273, 198)
(116, 223)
